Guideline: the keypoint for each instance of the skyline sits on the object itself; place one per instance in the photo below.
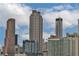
(21, 12)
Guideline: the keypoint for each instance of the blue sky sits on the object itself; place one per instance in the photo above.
(49, 11)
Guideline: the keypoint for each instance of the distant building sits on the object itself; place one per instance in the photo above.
(36, 29)
(9, 45)
(21, 50)
(17, 49)
(59, 27)
(30, 47)
(16, 39)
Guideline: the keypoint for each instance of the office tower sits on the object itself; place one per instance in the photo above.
(9, 45)
(59, 29)
(30, 47)
(16, 39)
(66, 46)
(36, 29)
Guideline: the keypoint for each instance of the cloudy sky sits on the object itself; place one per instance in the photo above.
(50, 11)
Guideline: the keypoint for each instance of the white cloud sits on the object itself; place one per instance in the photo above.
(25, 36)
(46, 35)
(69, 18)
(60, 7)
(21, 14)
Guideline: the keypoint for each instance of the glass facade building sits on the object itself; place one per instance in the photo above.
(30, 47)
(67, 46)
(55, 47)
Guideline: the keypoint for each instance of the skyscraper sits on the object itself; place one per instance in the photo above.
(36, 29)
(59, 29)
(9, 45)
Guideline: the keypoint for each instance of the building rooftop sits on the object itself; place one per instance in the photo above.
(53, 37)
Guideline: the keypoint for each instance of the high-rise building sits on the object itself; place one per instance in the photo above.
(9, 45)
(36, 29)
(66, 46)
(55, 47)
(59, 27)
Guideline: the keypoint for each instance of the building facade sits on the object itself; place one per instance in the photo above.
(55, 47)
(36, 29)
(9, 45)
(67, 46)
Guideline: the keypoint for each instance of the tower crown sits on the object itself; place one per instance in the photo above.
(59, 18)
